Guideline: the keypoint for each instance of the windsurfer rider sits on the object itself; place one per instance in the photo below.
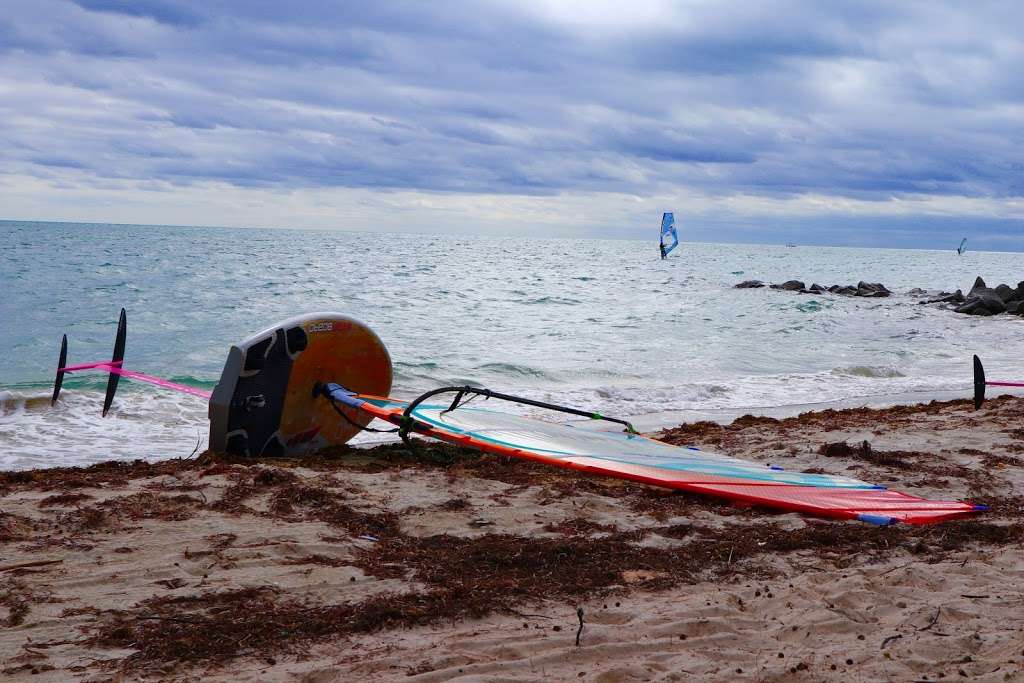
(662, 248)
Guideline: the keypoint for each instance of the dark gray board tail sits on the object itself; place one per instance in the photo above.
(61, 362)
(979, 383)
(122, 330)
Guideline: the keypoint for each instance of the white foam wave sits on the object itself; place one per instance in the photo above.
(141, 425)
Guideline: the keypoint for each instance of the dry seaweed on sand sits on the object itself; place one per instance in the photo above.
(111, 513)
(295, 502)
(14, 527)
(468, 578)
(863, 451)
(14, 602)
(63, 500)
(846, 418)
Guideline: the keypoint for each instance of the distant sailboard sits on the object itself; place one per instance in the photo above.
(963, 247)
(316, 380)
(669, 240)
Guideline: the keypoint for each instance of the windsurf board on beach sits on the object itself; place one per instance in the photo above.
(318, 379)
(638, 458)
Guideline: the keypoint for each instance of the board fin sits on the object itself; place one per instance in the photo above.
(979, 383)
(61, 363)
(115, 360)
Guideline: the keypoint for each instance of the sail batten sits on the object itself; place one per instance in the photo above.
(669, 240)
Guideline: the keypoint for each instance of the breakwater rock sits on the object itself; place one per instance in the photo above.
(979, 300)
(863, 289)
(984, 300)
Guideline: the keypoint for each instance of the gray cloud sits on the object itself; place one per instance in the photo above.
(867, 100)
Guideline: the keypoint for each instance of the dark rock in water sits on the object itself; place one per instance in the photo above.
(866, 289)
(979, 292)
(1005, 292)
(956, 297)
(871, 289)
(978, 286)
(749, 284)
(993, 302)
(917, 291)
(983, 303)
(983, 300)
(873, 286)
(973, 307)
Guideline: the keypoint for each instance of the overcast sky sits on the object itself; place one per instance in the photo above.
(871, 123)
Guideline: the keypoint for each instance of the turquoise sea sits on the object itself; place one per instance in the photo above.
(602, 324)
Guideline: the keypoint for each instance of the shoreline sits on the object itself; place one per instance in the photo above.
(650, 422)
(377, 563)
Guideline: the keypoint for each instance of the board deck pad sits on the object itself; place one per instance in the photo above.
(634, 457)
(264, 403)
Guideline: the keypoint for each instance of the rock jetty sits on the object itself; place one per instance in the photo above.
(980, 300)
(864, 289)
(983, 300)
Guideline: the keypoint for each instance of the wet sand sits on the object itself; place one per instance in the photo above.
(440, 563)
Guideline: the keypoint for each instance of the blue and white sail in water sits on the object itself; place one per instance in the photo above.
(962, 248)
(669, 239)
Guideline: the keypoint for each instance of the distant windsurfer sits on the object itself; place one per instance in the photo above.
(668, 240)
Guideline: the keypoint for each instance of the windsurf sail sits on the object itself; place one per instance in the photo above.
(630, 456)
(270, 401)
(669, 239)
(963, 246)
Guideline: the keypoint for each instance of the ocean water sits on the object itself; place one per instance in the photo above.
(600, 324)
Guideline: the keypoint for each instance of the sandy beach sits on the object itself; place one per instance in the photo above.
(439, 563)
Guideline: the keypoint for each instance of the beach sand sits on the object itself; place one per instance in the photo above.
(443, 564)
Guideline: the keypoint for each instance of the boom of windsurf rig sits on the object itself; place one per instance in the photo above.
(340, 396)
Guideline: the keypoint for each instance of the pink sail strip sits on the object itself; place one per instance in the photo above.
(90, 366)
(115, 368)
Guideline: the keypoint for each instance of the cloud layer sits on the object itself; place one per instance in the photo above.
(712, 103)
